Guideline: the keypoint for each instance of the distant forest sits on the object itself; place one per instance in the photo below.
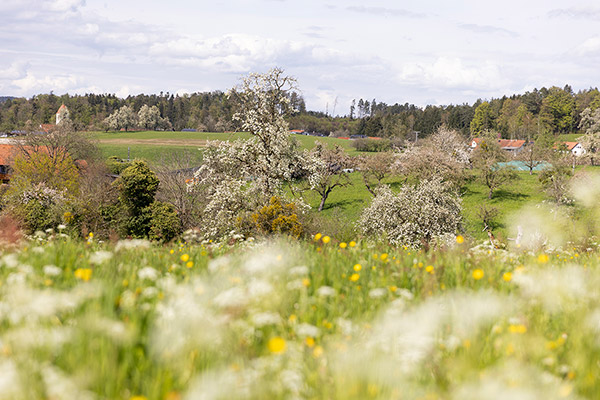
(554, 110)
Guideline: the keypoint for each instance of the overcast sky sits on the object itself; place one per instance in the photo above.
(426, 52)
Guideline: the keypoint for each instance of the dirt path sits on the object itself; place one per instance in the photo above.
(157, 142)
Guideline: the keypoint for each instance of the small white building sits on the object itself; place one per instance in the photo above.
(575, 148)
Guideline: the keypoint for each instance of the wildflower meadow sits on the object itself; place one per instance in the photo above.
(289, 319)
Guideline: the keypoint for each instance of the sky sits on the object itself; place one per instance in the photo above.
(428, 52)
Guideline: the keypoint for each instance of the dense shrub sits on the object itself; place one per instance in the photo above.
(39, 208)
(164, 222)
(372, 145)
(415, 216)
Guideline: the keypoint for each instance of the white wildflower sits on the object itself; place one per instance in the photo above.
(10, 260)
(265, 318)
(377, 293)
(326, 291)
(300, 270)
(51, 270)
(100, 257)
(148, 273)
(130, 244)
(304, 330)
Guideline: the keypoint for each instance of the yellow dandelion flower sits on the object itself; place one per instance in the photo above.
(429, 269)
(310, 342)
(507, 276)
(171, 251)
(189, 264)
(138, 398)
(306, 282)
(125, 283)
(317, 237)
(326, 239)
(460, 239)
(91, 234)
(393, 288)
(318, 351)
(357, 267)
(343, 245)
(277, 345)
(354, 277)
(375, 256)
(292, 318)
(543, 258)
(478, 274)
(352, 243)
(517, 328)
(184, 257)
(384, 257)
(83, 273)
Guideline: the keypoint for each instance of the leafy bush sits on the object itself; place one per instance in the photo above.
(117, 165)
(164, 222)
(372, 145)
(415, 216)
(39, 208)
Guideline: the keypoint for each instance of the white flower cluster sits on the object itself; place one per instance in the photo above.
(414, 216)
(241, 176)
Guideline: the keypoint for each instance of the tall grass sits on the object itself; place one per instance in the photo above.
(287, 319)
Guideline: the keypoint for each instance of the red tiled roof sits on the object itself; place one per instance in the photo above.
(7, 153)
(504, 143)
(62, 107)
(570, 145)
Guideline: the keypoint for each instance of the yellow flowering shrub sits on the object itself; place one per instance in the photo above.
(277, 217)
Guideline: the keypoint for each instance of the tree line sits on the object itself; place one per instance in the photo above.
(553, 110)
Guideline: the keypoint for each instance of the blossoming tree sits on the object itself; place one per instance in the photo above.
(241, 176)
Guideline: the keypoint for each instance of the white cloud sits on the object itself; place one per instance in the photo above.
(450, 72)
(60, 83)
(16, 70)
(589, 47)
(63, 5)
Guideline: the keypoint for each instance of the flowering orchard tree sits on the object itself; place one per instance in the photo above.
(263, 102)
(239, 177)
(415, 216)
(326, 170)
(445, 154)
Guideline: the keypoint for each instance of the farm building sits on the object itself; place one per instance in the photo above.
(7, 152)
(575, 148)
(512, 146)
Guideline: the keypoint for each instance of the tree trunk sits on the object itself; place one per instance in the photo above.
(323, 198)
(490, 193)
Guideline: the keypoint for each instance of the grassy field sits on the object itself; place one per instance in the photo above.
(151, 145)
(344, 204)
(318, 319)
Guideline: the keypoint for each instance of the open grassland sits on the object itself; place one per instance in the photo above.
(317, 319)
(345, 204)
(150, 145)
